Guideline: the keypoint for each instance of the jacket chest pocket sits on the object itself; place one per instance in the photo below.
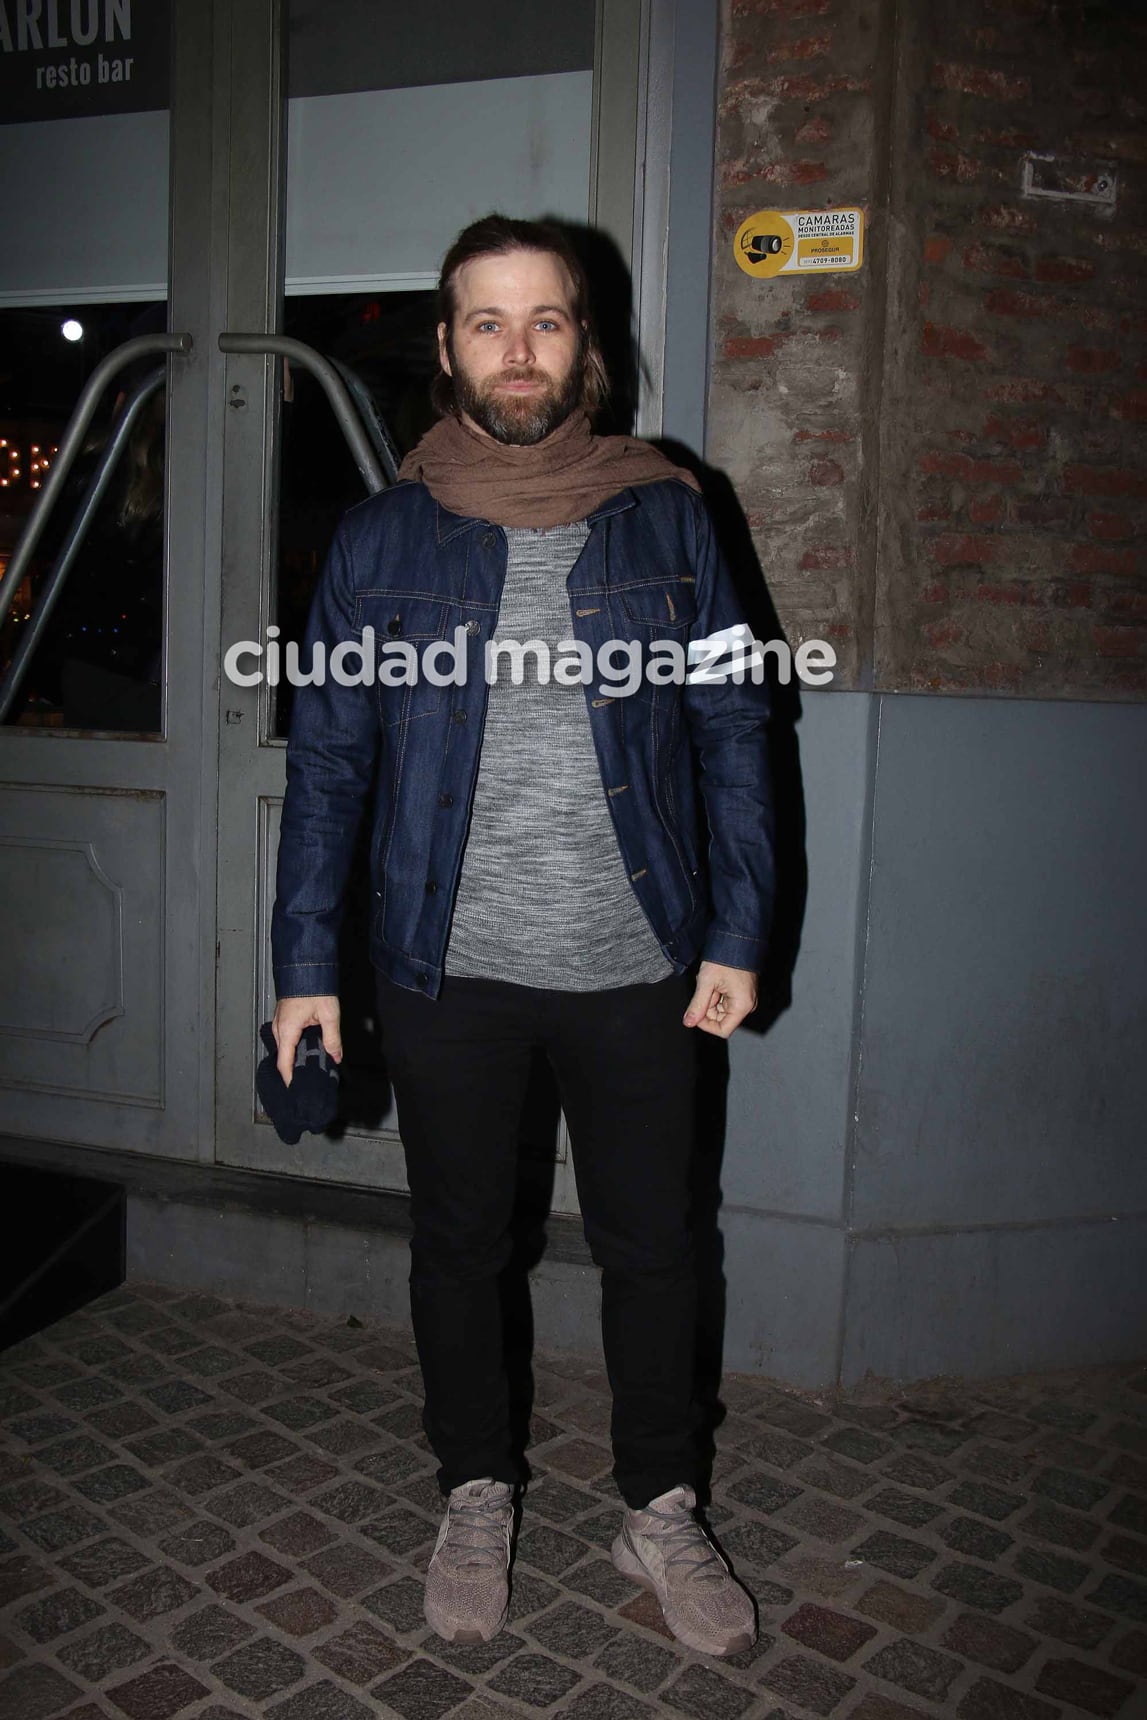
(405, 625)
(661, 607)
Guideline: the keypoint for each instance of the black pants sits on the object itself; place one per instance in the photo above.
(625, 1070)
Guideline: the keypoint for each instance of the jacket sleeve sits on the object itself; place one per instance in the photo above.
(331, 751)
(728, 725)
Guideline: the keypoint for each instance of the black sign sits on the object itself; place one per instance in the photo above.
(63, 59)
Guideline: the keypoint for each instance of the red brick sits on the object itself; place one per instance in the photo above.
(1091, 360)
(1094, 558)
(986, 511)
(1004, 219)
(1013, 595)
(806, 48)
(1042, 510)
(934, 511)
(1130, 407)
(995, 260)
(943, 130)
(953, 548)
(751, 345)
(822, 435)
(1126, 641)
(981, 81)
(936, 249)
(951, 465)
(1064, 269)
(943, 632)
(1016, 432)
(815, 130)
(827, 557)
(1024, 391)
(832, 299)
(1109, 526)
(774, 172)
(782, 8)
(1075, 594)
(1009, 302)
(1104, 481)
(825, 472)
(941, 341)
(954, 164)
(1011, 137)
(937, 592)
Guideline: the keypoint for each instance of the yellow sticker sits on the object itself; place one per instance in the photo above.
(799, 241)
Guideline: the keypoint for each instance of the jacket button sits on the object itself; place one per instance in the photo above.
(487, 540)
(473, 627)
(446, 800)
(458, 716)
(431, 887)
(421, 979)
(394, 625)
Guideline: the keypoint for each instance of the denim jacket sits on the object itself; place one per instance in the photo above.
(405, 567)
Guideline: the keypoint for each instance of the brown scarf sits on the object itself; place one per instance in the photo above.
(554, 482)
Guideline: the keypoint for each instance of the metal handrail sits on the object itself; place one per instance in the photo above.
(85, 513)
(336, 390)
(141, 346)
(375, 423)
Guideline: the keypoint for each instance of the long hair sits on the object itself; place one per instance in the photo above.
(493, 236)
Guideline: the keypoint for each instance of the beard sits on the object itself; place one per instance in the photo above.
(520, 420)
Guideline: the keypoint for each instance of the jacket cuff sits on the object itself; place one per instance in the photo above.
(307, 979)
(732, 949)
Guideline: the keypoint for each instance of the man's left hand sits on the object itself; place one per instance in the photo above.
(723, 998)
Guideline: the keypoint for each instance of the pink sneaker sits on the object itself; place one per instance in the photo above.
(468, 1581)
(665, 1549)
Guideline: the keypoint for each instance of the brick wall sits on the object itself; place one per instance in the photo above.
(942, 456)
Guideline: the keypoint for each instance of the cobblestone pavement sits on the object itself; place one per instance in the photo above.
(214, 1511)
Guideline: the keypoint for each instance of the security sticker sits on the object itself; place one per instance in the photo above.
(799, 241)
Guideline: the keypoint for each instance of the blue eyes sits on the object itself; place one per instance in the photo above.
(545, 325)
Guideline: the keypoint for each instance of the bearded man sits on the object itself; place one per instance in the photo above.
(545, 874)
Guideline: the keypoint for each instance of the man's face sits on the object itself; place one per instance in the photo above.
(515, 350)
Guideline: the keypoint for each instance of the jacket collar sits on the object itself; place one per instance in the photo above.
(449, 525)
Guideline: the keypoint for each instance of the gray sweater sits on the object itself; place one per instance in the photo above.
(543, 898)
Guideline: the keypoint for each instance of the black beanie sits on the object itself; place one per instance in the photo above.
(310, 1102)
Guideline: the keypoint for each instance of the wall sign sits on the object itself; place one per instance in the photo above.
(799, 241)
(64, 59)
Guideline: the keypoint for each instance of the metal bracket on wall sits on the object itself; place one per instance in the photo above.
(1045, 175)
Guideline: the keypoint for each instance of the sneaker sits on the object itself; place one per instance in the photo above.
(665, 1549)
(468, 1581)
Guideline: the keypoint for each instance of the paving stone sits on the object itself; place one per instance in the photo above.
(1087, 1687)
(831, 1633)
(1130, 1513)
(210, 1632)
(277, 1350)
(969, 1535)
(35, 1692)
(915, 1667)
(907, 1612)
(164, 1445)
(175, 1396)
(794, 1416)
(55, 1614)
(22, 1576)
(1127, 1553)
(823, 1518)
(35, 1429)
(601, 1702)
(990, 1700)
(362, 1396)
(985, 1500)
(247, 1577)
(855, 1443)
(117, 1420)
(260, 1669)
(548, 1550)
(1053, 1569)
(579, 1458)
(88, 1394)
(894, 1553)
(976, 1587)
(1122, 1595)
(916, 1470)
(399, 1531)
(158, 1591)
(422, 1691)
(1061, 1528)
(321, 1701)
(300, 1474)
(403, 1422)
(557, 1501)
(197, 1544)
(763, 1493)
(598, 1579)
(297, 1534)
(1083, 1627)
(757, 1545)
(645, 1609)
(781, 1450)
(318, 1373)
(476, 1659)
(152, 1514)
(990, 1643)
(809, 1683)
(347, 1570)
(907, 1508)
(102, 1562)
(635, 1661)
(220, 1424)
(299, 1412)
(572, 1630)
(929, 1437)
(158, 1693)
(707, 1695)
(360, 1653)
(390, 1467)
(994, 1463)
(1130, 1653)
(117, 1481)
(300, 1612)
(1067, 1487)
(1071, 1416)
(250, 1502)
(73, 1456)
(833, 1475)
(352, 1502)
(1129, 1472)
(109, 1649)
(252, 1387)
(874, 1705)
(399, 1605)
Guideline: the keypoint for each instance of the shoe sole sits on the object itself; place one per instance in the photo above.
(626, 1561)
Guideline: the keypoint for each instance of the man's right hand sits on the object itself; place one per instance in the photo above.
(292, 1015)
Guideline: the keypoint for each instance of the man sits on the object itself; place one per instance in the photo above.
(540, 879)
